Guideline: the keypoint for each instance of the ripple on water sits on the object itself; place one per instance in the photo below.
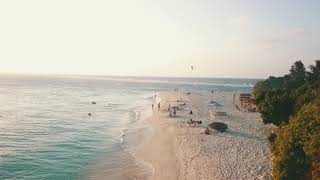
(46, 132)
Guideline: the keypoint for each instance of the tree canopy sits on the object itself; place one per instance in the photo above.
(296, 148)
(278, 98)
(292, 102)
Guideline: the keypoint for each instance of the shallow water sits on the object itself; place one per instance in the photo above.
(46, 132)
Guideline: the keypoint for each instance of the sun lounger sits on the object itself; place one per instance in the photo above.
(220, 113)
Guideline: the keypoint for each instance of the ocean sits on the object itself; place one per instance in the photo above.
(83, 127)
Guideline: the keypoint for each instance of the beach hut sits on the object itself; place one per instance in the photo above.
(247, 101)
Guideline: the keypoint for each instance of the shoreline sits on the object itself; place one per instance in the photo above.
(177, 150)
(159, 151)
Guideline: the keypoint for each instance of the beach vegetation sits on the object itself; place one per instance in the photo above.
(278, 98)
(296, 146)
(292, 102)
(219, 126)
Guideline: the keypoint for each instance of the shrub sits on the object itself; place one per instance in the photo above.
(296, 147)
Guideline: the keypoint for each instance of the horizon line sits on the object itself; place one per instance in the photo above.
(135, 76)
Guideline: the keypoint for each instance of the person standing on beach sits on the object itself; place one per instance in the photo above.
(152, 106)
(159, 105)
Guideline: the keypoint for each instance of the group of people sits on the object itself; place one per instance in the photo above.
(191, 122)
(159, 106)
(173, 113)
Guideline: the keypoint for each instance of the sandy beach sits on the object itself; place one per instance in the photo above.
(181, 151)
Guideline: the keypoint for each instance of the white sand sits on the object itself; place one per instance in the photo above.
(179, 151)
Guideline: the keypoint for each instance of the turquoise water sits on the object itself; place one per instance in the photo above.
(46, 132)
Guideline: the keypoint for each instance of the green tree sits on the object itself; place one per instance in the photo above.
(293, 103)
(315, 71)
(298, 71)
(276, 107)
(296, 147)
(278, 98)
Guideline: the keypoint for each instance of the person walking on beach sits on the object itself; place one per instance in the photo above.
(159, 105)
(152, 106)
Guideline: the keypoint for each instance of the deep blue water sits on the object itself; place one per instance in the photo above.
(46, 133)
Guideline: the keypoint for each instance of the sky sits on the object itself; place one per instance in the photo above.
(220, 38)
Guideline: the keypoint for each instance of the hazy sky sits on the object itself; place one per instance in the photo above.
(221, 38)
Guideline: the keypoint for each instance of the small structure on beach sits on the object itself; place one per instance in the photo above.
(220, 113)
(247, 101)
(214, 103)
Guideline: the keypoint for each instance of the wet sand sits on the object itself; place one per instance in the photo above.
(160, 151)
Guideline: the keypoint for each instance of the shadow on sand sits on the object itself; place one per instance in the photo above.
(243, 135)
